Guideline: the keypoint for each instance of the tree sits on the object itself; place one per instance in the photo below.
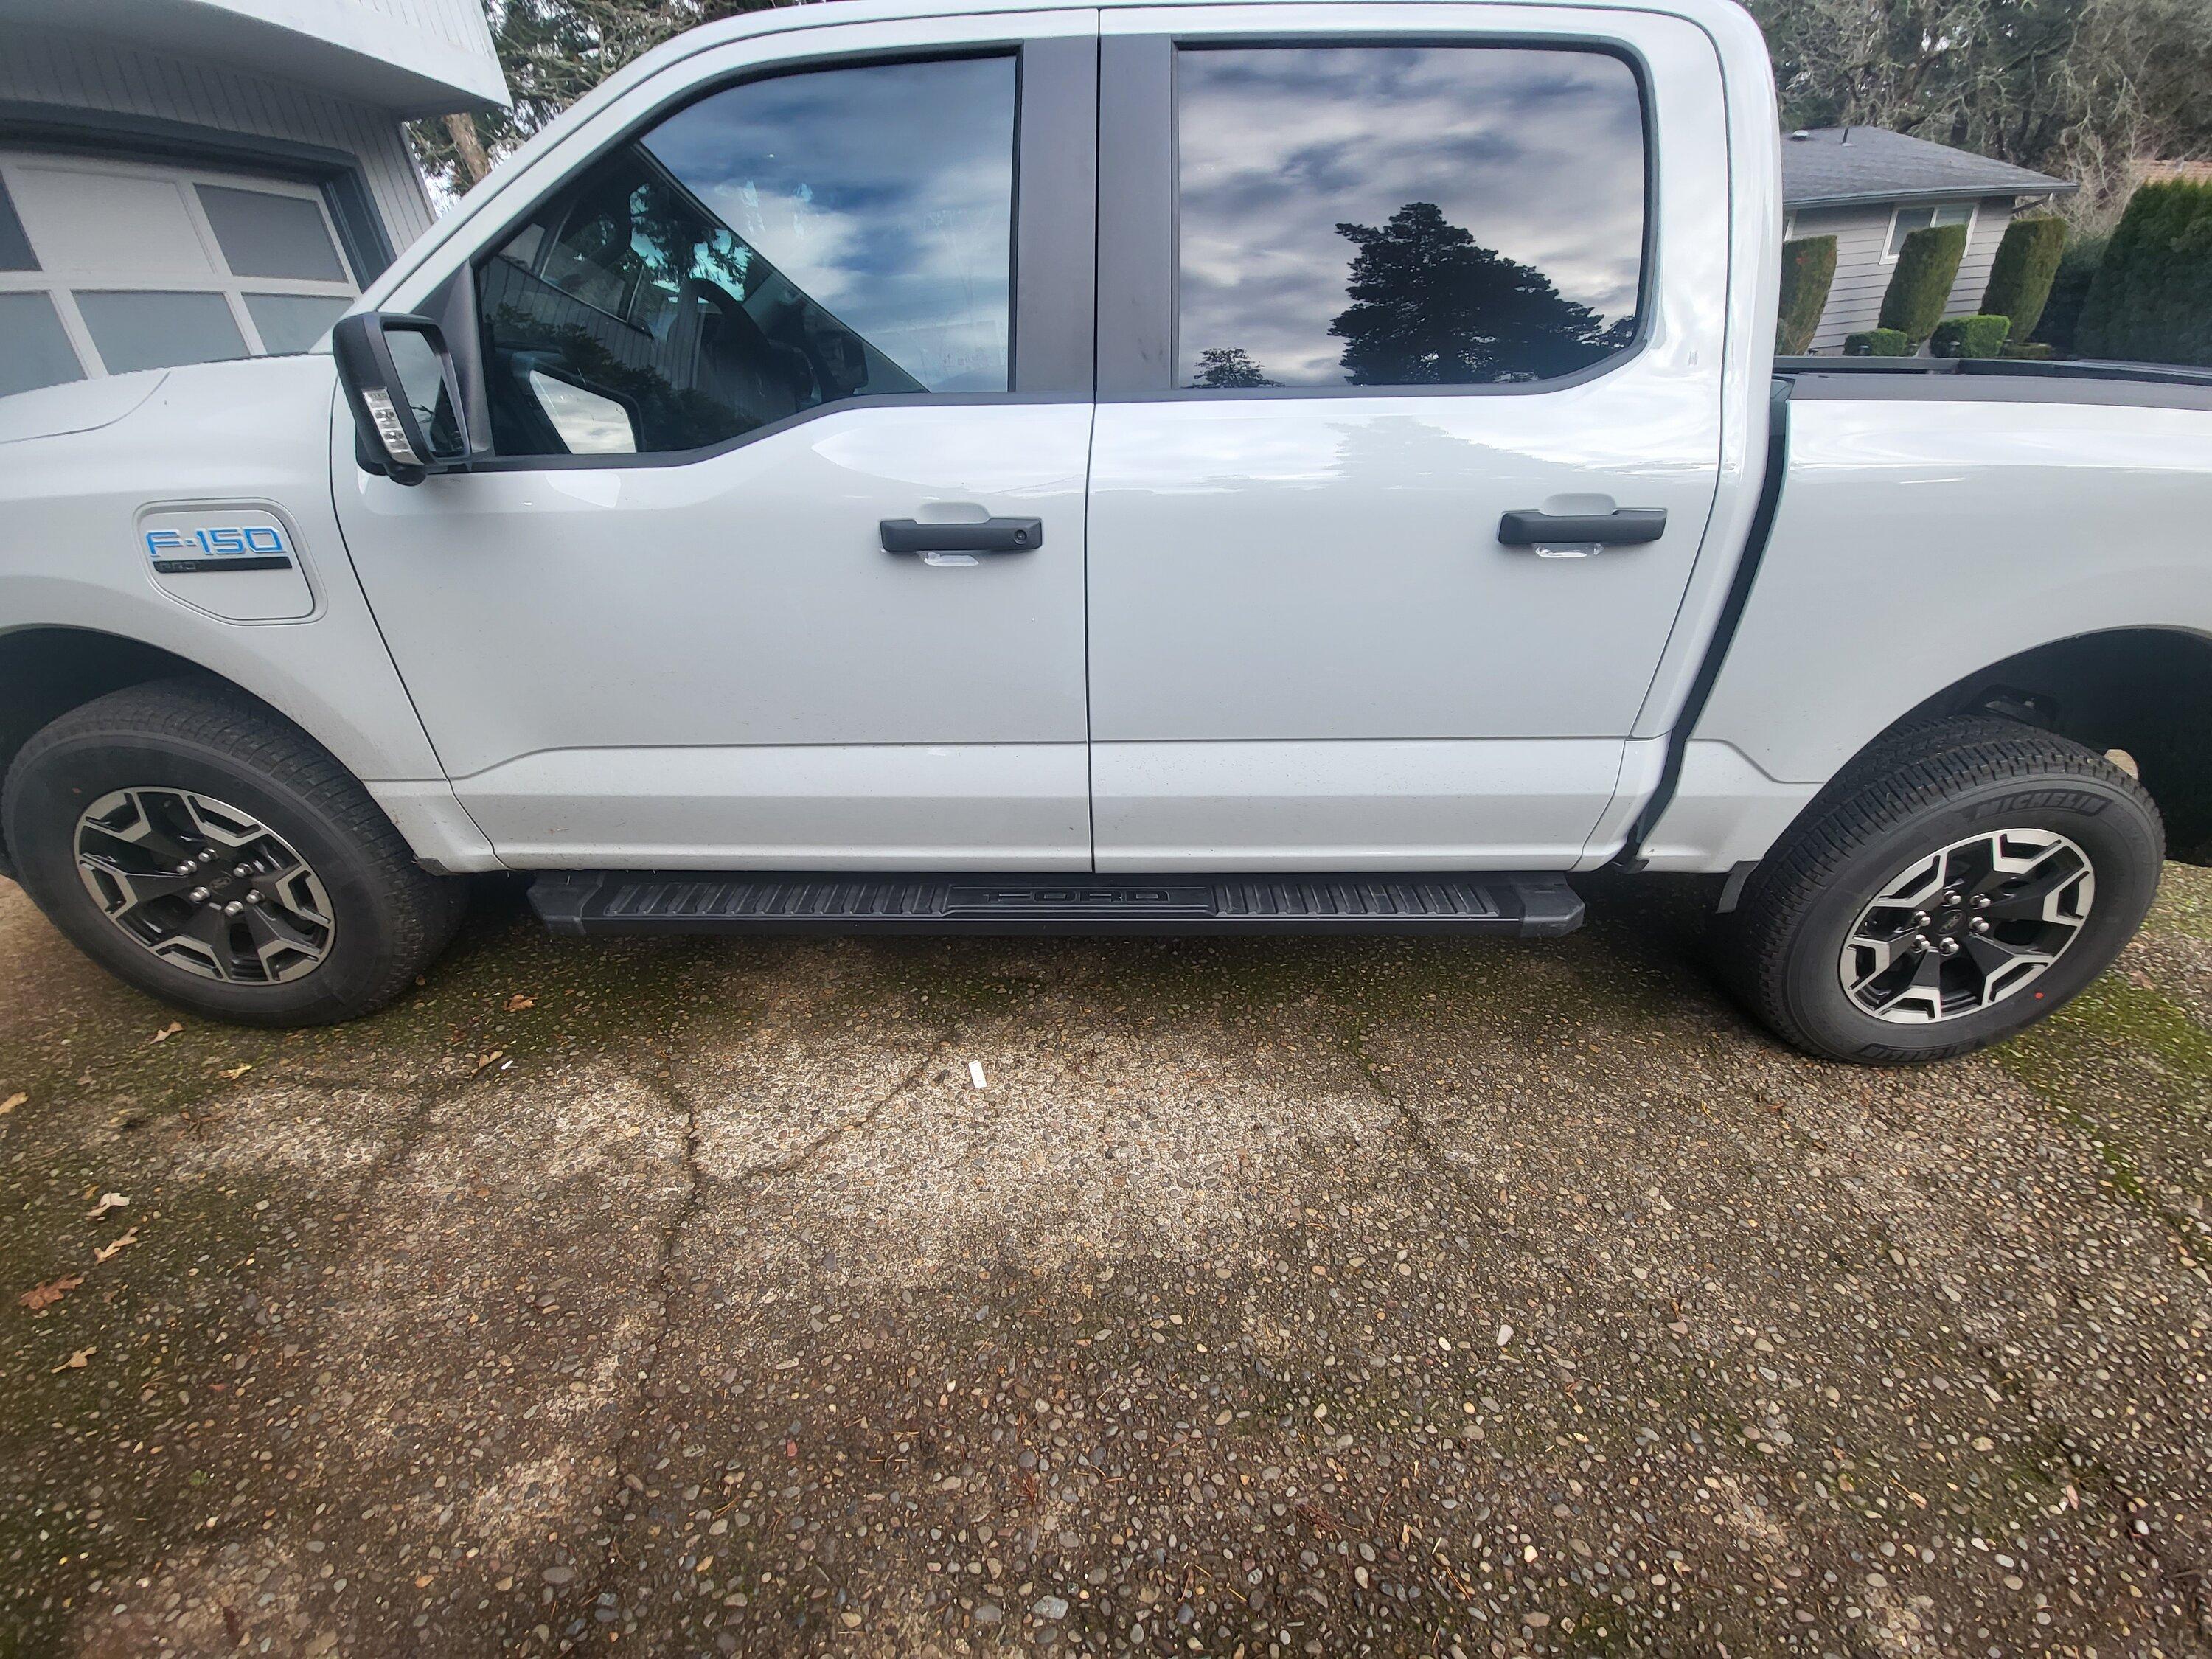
(1920, 286)
(1229, 366)
(2076, 87)
(1809, 271)
(1431, 306)
(2151, 301)
(553, 51)
(2026, 262)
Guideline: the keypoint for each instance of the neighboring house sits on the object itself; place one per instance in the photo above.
(189, 179)
(1869, 189)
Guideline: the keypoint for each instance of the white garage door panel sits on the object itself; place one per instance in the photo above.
(107, 226)
(108, 264)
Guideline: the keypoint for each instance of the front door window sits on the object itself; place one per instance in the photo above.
(774, 247)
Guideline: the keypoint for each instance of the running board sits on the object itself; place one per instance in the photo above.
(1540, 906)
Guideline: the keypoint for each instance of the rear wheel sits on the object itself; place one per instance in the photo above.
(1958, 882)
(212, 854)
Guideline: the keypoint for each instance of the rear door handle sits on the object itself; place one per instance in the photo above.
(1576, 535)
(990, 536)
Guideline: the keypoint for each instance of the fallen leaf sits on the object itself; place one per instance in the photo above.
(106, 1250)
(483, 1060)
(518, 1002)
(235, 1072)
(107, 1201)
(12, 1103)
(168, 1030)
(75, 1361)
(45, 1296)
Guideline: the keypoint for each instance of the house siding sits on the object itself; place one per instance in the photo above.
(1863, 274)
(84, 72)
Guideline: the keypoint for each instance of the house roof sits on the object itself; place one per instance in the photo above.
(1828, 166)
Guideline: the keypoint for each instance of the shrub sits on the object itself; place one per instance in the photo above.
(2062, 314)
(2152, 300)
(1879, 342)
(2034, 351)
(1808, 269)
(1920, 286)
(1979, 335)
(2026, 262)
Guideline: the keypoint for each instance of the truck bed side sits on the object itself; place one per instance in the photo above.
(1933, 525)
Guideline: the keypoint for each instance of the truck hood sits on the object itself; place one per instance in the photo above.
(78, 406)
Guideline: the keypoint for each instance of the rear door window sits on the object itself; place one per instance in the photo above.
(774, 247)
(1404, 215)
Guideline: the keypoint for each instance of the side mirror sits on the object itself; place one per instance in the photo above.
(406, 400)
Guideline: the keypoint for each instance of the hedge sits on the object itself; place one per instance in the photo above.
(2026, 262)
(1808, 269)
(1920, 286)
(1880, 343)
(2152, 300)
(2028, 351)
(2062, 314)
(1979, 335)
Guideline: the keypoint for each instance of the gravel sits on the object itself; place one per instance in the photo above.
(962, 1297)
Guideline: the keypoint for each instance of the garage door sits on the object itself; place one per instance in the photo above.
(107, 266)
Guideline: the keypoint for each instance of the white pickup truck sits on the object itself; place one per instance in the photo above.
(901, 466)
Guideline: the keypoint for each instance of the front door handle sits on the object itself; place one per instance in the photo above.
(989, 536)
(1574, 535)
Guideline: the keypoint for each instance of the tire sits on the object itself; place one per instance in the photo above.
(1966, 799)
(97, 803)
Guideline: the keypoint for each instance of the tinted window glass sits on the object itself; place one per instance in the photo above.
(293, 322)
(34, 351)
(14, 247)
(779, 244)
(264, 235)
(1406, 216)
(160, 331)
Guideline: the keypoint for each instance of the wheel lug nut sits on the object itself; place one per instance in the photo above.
(197, 896)
(254, 896)
(234, 907)
(1978, 925)
(1982, 902)
(186, 868)
(1920, 940)
(241, 869)
(1952, 897)
(1921, 918)
(1949, 947)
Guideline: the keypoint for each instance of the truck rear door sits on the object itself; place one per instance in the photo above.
(1410, 327)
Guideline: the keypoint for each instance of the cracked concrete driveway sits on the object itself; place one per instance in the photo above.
(1281, 1297)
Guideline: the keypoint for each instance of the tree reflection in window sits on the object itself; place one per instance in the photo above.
(1431, 306)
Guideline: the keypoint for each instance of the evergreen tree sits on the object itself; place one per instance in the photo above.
(1433, 306)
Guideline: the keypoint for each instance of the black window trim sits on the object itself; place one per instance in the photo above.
(1140, 247)
(1050, 334)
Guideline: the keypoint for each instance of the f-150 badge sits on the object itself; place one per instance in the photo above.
(184, 545)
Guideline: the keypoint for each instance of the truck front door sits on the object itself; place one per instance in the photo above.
(1373, 279)
(775, 557)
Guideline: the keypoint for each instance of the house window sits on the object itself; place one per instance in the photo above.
(1906, 220)
(107, 266)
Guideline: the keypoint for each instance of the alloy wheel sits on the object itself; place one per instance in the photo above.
(1967, 927)
(203, 886)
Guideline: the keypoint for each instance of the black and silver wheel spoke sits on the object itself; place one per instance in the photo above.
(1967, 927)
(203, 886)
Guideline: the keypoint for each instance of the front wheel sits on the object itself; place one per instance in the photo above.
(1956, 883)
(210, 853)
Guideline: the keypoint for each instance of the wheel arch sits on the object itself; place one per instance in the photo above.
(46, 671)
(2146, 691)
